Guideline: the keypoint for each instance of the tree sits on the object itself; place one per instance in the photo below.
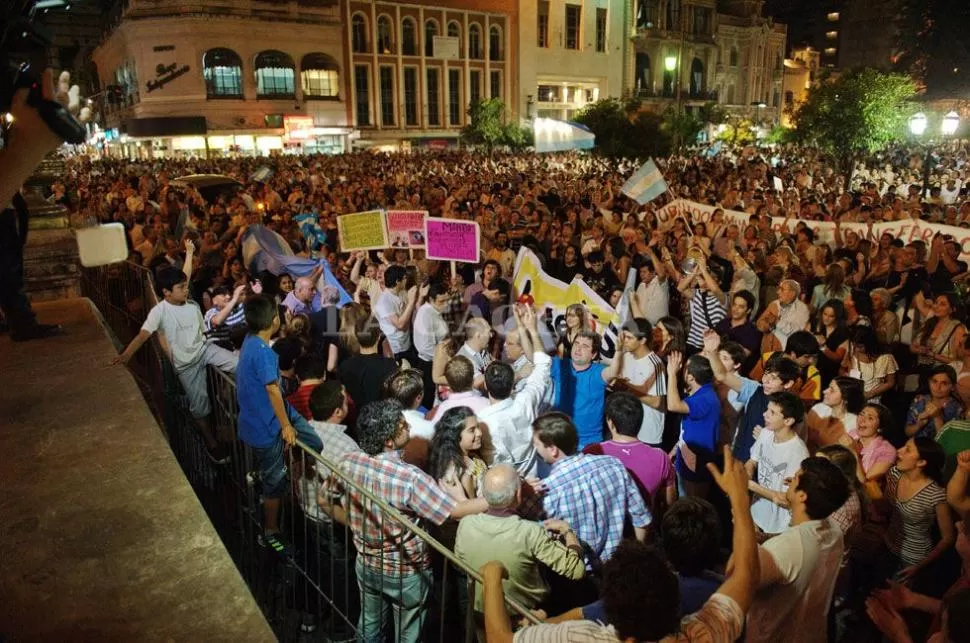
(933, 45)
(517, 137)
(485, 124)
(683, 127)
(624, 132)
(858, 113)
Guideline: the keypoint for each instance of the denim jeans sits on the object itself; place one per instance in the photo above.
(380, 594)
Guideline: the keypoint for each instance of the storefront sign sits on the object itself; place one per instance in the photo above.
(451, 240)
(362, 231)
(406, 228)
(164, 74)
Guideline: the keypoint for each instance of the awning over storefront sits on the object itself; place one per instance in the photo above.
(558, 136)
(164, 126)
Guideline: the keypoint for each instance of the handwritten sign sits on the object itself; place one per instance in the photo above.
(452, 240)
(362, 231)
(406, 228)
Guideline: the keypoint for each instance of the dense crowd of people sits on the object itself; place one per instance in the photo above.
(772, 453)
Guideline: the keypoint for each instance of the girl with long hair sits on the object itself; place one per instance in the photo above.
(942, 335)
(455, 460)
(836, 415)
(576, 320)
(833, 339)
(871, 362)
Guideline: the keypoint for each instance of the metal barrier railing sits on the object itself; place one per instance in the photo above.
(315, 584)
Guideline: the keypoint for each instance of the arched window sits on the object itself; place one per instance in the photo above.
(222, 71)
(430, 31)
(319, 76)
(385, 36)
(696, 77)
(642, 81)
(358, 34)
(409, 37)
(495, 43)
(454, 31)
(275, 75)
(734, 56)
(474, 41)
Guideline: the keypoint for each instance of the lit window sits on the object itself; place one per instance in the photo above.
(830, 51)
(833, 17)
(831, 35)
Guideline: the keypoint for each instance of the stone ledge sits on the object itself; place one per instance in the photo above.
(103, 538)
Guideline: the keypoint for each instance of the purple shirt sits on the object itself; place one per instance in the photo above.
(648, 464)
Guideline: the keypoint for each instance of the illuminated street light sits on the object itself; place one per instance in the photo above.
(950, 124)
(670, 63)
(917, 123)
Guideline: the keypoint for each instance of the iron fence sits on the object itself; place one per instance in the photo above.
(311, 591)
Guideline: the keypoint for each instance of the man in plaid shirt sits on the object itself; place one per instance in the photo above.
(592, 493)
(393, 565)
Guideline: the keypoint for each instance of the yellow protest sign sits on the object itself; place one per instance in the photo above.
(362, 231)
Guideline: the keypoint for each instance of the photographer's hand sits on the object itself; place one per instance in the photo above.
(29, 141)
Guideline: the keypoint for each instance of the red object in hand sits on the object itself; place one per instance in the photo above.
(527, 300)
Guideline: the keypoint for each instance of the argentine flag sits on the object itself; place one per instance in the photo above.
(263, 249)
(646, 185)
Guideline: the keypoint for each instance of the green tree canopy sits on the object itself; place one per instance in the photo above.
(486, 124)
(623, 132)
(857, 113)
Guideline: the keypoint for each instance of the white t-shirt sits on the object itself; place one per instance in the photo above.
(776, 461)
(796, 609)
(824, 411)
(430, 329)
(638, 371)
(182, 327)
(390, 305)
(653, 299)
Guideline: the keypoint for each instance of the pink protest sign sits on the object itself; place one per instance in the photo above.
(406, 228)
(452, 240)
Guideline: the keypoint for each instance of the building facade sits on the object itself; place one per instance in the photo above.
(571, 53)
(691, 52)
(414, 68)
(674, 52)
(801, 72)
(751, 55)
(227, 76)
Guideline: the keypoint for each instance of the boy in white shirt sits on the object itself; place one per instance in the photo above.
(776, 457)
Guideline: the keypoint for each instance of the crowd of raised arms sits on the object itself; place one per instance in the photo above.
(772, 453)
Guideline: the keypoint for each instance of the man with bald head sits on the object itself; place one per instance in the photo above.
(523, 546)
(299, 301)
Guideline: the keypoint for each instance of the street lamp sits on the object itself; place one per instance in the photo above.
(950, 124)
(670, 63)
(917, 125)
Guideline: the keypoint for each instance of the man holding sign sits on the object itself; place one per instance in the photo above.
(394, 309)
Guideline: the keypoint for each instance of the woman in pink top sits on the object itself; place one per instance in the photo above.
(649, 466)
(876, 454)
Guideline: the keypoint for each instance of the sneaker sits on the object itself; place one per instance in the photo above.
(308, 623)
(275, 542)
(218, 454)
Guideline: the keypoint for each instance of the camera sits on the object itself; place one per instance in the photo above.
(23, 45)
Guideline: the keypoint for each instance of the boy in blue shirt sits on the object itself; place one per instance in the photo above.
(266, 421)
(700, 426)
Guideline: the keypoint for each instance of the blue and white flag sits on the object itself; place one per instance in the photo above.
(646, 185)
(263, 249)
(309, 224)
(714, 149)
